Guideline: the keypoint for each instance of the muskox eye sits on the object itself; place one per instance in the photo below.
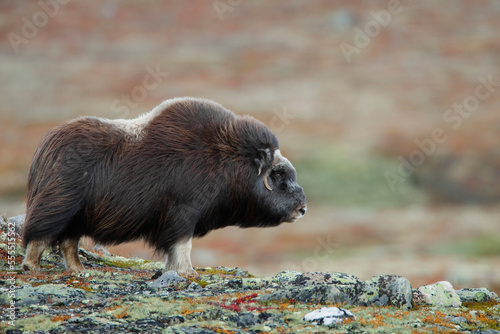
(279, 175)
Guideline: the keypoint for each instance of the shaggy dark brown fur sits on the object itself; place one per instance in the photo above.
(188, 167)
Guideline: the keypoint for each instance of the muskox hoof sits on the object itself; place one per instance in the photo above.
(27, 266)
(75, 268)
(188, 273)
(69, 249)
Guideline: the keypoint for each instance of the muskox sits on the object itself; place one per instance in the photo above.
(187, 167)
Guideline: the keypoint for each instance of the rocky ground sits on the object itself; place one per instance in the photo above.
(130, 295)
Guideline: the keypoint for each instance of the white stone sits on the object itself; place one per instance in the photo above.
(328, 315)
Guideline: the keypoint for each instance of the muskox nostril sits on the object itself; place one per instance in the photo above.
(303, 210)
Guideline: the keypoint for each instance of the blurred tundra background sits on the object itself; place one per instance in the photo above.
(389, 110)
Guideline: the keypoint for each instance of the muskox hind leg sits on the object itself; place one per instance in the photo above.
(33, 255)
(179, 258)
(69, 249)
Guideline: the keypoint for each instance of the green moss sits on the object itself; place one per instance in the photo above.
(83, 287)
(202, 283)
(119, 264)
(143, 307)
(481, 306)
(36, 323)
(217, 271)
(127, 263)
(209, 273)
(277, 303)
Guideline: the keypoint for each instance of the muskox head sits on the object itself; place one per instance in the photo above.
(281, 198)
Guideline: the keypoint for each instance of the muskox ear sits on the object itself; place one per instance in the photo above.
(264, 160)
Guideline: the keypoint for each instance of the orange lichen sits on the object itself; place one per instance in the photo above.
(287, 305)
(466, 315)
(480, 305)
(112, 308)
(377, 319)
(6, 257)
(122, 314)
(60, 318)
(187, 311)
(218, 329)
(438, 319)
(401, 314)
(348, 320)
(482, 319)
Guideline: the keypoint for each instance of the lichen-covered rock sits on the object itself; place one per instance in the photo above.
(244, 319)
(479, 295)
(438, 294)
(255, 283)
(120, 261)
(286, 277)
(312, 278)
(51, 294)
(388, 290)
(115, 294)
(170, 279)
(16, 222)
(320, 294)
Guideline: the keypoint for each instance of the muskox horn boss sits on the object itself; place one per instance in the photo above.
(187, 167)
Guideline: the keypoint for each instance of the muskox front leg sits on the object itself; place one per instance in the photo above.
(69, 249)
(179, 258)
(33, 255)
